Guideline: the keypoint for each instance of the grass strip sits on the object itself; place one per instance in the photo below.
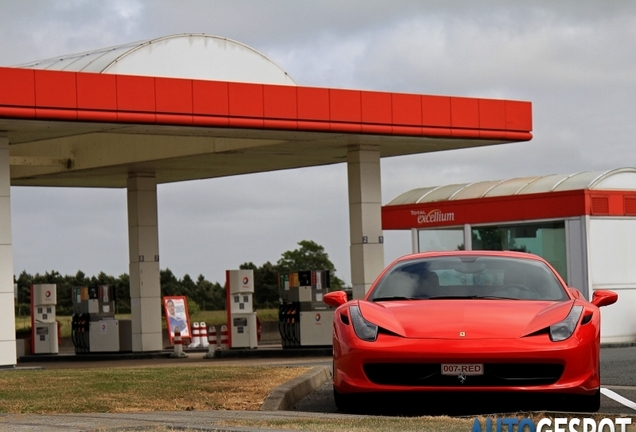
(368, 424)
(140, 389)
(409, 424)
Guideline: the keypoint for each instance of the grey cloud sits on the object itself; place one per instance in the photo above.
(573, 59)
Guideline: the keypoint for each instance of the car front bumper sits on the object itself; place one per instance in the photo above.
(386, 364)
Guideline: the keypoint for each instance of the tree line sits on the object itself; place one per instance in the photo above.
(201, 293)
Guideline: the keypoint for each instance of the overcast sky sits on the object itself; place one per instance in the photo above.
(574, 60)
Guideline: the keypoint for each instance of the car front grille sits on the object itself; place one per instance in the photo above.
(495, 375)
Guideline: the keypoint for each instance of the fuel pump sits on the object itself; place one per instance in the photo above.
(94, 327)
(289, 310)
(241, 317)
(44, 330)
(303, 318)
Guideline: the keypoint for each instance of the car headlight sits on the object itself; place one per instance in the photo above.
(364, 329)
(564, 329)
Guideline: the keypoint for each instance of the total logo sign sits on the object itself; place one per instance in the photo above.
(433, 216)
(243, 280)
(318, 318)
(47, 294)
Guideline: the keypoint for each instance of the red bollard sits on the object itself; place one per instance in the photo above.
(178, 345)
(225, 342)
(212, 344)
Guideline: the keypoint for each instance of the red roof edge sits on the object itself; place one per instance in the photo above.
(83, 96)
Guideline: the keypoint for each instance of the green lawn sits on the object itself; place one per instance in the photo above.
(130, 389)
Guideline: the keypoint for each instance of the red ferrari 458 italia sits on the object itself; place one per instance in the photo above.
(468, 321)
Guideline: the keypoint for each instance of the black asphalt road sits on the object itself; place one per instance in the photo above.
(618, 374)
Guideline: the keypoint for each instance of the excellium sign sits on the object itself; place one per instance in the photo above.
(432, 216)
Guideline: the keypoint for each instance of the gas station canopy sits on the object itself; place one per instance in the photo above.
(194, 106)
(85, 129)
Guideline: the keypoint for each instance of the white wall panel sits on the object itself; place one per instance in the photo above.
(618, 321)
(8, 353)
(6, 269)
(7, 312)
(7, 329)
(612, 263)
(612, 245)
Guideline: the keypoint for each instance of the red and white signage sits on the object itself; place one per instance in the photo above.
(549, 205)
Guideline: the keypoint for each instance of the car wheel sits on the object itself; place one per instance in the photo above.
(345, 402)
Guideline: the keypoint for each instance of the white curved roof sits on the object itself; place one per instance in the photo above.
(616, 179)
(195, 56)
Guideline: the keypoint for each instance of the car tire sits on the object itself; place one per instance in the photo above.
(345, 402)
(589, 403)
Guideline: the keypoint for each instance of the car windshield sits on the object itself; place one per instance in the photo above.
(469, 276)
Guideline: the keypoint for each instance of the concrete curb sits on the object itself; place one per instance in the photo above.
(618, 345)
(273, 352)
(286, 395)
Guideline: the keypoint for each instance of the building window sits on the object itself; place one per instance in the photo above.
(441, 239)
(546, 239)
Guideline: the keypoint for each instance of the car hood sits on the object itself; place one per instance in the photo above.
(465, 319)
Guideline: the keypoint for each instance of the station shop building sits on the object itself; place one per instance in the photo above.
(583, 224)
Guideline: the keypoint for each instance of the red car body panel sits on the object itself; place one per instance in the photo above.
(468, 331)
(478, 319)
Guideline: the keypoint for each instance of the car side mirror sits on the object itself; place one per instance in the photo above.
(604, 298)
(335, 299)
(576, 293)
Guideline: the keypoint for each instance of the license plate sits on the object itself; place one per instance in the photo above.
(467, 369)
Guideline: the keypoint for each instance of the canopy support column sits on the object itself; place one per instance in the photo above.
(143, 242)
(8, 352)
(365, 219)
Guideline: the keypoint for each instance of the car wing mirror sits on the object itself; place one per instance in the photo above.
(335, 299)
(604, 298)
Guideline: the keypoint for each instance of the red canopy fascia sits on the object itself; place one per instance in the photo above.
(82, 96)
(503, 209)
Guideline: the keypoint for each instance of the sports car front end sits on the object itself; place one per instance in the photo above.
(472, 336)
